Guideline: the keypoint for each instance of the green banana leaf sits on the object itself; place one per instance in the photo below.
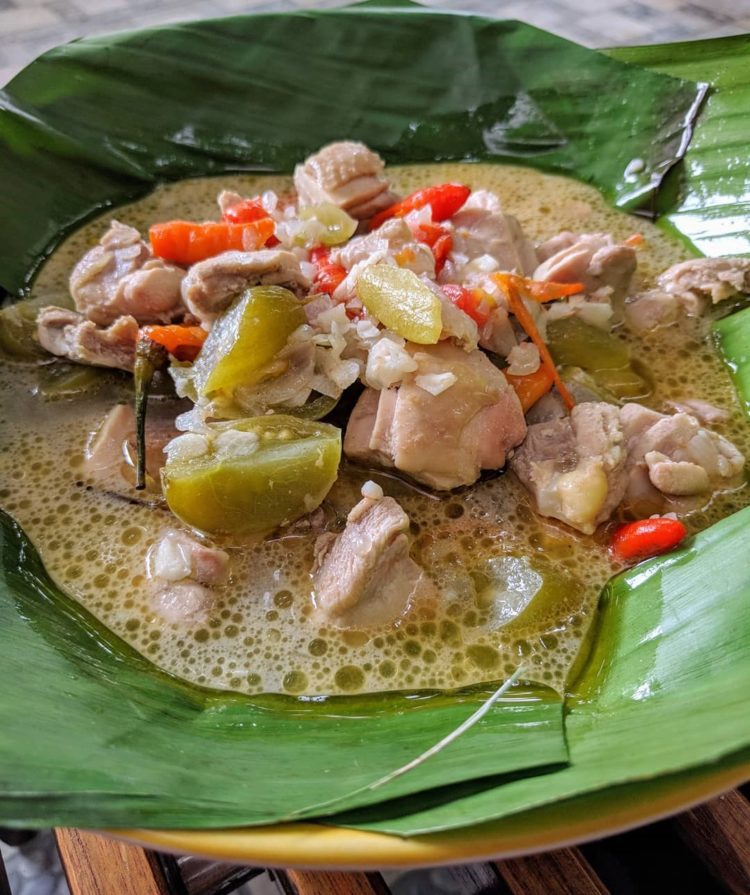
(733, 338)
(91, 733)
(100, 121)
(706, 199)
(664, 689)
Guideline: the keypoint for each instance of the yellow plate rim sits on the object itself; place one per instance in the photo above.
(320, 847)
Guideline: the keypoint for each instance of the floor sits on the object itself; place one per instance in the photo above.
(29, 27)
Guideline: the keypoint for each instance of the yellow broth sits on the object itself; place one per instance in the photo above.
(262, 635)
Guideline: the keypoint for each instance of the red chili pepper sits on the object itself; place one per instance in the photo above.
(247, 211)
(444, 200)
(439, 240)
(319, 255)
(474, 302)
(328, 275)
(635, 541)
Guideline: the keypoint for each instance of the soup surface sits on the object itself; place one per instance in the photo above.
(512, 587)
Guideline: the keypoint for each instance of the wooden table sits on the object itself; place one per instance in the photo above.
(700, 852)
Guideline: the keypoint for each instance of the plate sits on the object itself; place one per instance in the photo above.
(100, 122)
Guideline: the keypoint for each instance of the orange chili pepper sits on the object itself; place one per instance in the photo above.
(184, 342)
(508, 282)
(531, 387)
(185, 242)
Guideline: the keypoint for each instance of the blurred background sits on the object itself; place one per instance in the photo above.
(28, 27)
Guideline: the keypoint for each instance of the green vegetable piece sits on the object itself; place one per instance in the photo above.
(17, 331)
(624, 383)
(314, 409)
(246, 338)
(254, 475)
(605, 357)
(338, 225)
(575, 343)
(59, 380)
(402, 302)
(733, 337)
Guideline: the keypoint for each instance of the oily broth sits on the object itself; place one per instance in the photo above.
(263, 635)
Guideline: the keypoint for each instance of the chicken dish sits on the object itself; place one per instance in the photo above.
(366, 429)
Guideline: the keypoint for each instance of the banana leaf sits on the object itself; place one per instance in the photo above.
(100, 121)
(91, 733)
(664, 689)
(706, 198)
(733, 338)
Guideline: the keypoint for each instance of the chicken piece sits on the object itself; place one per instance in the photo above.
(442, 436)
(211, 285)
(365, 576)
(497, 334)
(680, 457)
(69, 334)
(178, 556)
(106, 449)
(703, 411)
(594, 259)
(708, 278)
(393, 238)
(111, 451)
(575, 466)
(183, 572)
(650, 310)
(347, 174)
(119, 278)
(687, 288)
(482, 230)
(185, 602)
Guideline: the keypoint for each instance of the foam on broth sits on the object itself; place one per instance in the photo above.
(263, 635)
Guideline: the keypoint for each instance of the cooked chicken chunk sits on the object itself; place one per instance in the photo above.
(183, 602)
(713, 278)
(575, 466)
(69, 334)
(392, 239)
(703, 411)
(119, 278)
(110, 452)
(183, 571)
(178, 556)
(451, 418)
(679, 456)
(594, 259)
(365, 576)
(652, 309)
(687, 288)
(482, 230)
(347, 174)
(211, 285)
